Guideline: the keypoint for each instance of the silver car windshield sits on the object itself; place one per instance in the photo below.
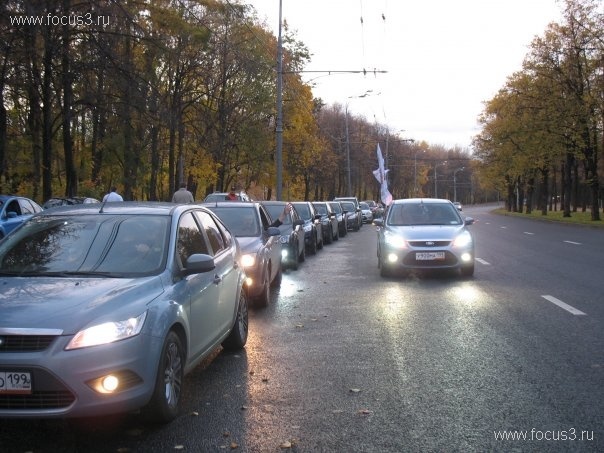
(242, 221)
(411, 214)
(109, 245)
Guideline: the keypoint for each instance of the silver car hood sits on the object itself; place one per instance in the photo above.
(427, 232)
(70, 304)
(249, 244)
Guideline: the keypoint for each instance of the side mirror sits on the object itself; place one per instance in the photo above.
(273, 231)
(469, 221)
(199, 263)
(11, 214)
(378, 222)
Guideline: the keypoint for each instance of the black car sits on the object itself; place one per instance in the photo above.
(313, 229)
(341, 216)
(328, 220)
(293, 250)
(259, 242)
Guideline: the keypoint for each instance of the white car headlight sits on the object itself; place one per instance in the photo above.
(463, 239)
(394, 240)
(248, 260)
(107, 332)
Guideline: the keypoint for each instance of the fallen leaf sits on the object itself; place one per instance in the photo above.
(226, 434)
(243, 408)
(286, 444)
(264, 379)
(194, 413)
(355, 390)
(234, 445)
(299, 326)
(179, 447)
(364, 411)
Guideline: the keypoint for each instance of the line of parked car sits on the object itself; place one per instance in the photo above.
(131, 296)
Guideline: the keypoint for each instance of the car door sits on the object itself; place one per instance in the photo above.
(225, 273)
(272, 244)
(202, 290)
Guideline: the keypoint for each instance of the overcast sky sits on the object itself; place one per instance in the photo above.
(443, 58)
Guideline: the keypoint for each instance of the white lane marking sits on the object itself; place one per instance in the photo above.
(572, 242)
(563, 305)
(481, 261)
(529, 233)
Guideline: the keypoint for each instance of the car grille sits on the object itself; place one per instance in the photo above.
(25, 343)
(429, 243)
(48, 393)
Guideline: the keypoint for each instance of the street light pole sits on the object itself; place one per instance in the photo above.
(279, 119)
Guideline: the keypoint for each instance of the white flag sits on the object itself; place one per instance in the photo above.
(380, 175)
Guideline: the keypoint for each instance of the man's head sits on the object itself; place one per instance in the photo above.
(183, 185)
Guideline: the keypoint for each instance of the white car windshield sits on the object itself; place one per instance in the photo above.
(411, 214)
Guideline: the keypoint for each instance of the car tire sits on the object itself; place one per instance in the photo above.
(467, 271)
(164, 404)
(329, 237)
(312, 248)
(302, 256)
(238, 336)
(265, 295)
(320, 244)
(278, 277)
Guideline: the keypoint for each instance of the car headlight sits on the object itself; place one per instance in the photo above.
(463, 239)
(283, 239)
(107, 332)
(395, 241)
(248, 260)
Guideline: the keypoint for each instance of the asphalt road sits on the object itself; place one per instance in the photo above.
(346, 361)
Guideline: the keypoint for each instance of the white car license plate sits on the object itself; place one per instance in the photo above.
(15, 382)
(429, 256)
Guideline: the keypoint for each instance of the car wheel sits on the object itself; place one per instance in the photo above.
(164, 403)
(337, 235)
(312, 249)
(329, 237)
(238, 336)
(467, 271)
(302, 253)
(320, 244)
(265, 296)
(294, 263)
(278, 277)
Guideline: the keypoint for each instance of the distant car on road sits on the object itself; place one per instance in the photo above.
(353, 215)
(105, 311)
(357, 208)
(313, 229)
(328, 220)
(15, 210)
(293, 250)
(458, 205)
(424, 234)
(341, 217)
(66, 201)
(366, 212)
(260, 245)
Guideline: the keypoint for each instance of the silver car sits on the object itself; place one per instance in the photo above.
(424, 234)
(105, 307)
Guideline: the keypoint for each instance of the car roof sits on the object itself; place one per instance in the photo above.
(273, 202)
(120, 207)
(229, 204)
(420, 200)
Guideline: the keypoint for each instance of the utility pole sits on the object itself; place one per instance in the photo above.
(279, 120)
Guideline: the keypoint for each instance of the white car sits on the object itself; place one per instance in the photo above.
(366, 212)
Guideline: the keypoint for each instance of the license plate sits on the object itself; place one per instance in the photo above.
(429, 256)
(15, 382)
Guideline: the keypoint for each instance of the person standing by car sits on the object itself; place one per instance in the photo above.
(112, 195)
(231, 196)
(182, 195)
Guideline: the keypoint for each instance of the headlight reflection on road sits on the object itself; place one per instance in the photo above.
(393, 301)
(467, 294)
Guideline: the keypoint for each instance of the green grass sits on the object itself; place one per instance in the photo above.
(576, 218)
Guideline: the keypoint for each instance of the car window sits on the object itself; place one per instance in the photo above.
(117, 245)
(213, 232)
(303, 210)
(336, 207)
(242, 221)
(321, 209)
(423, 214)
(190, 239)
(26, 207)
(14, 206)
(275, 210)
